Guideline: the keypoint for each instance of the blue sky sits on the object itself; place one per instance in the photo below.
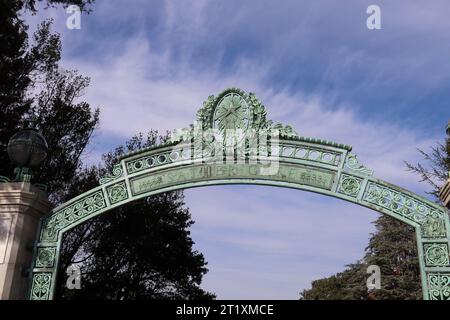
(316, 66)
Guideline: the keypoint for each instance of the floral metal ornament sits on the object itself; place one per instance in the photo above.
(350, 185)
(117, 193)
(41, 286)
(45, 257)
(232, 113)
(436, 254)
(439, 286)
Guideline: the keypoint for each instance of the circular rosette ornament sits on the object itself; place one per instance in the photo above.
(232, 113)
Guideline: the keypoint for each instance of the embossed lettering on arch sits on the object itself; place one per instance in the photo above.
(233, 142)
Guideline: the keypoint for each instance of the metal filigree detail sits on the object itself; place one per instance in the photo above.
(154, 160)
(259, 112)
(349, 185)
(70, 214)
(308, 153)
(434, 226)
(41, 286)
(436, 254)
(117, 192)
(45, 257)
(439, 286)
(117, 172)
(352, 163)
(286, 131)
(232, 116)
(399, 203)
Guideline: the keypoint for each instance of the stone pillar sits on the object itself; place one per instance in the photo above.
(21, 207)
(445, 194)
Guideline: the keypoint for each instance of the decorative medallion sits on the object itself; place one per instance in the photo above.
(436, 254)
(349, 185)
(231, 113)
(45, 257)
(117, 192)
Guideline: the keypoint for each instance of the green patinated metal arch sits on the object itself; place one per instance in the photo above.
(191, 159)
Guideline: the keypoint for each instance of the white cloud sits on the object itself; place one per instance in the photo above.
(138, 90)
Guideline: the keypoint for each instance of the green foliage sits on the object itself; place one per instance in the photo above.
(142, 250)
(32, 84)
(437, 168)
(32, 4)
(393, 248)
(67, 125)
(347, 285)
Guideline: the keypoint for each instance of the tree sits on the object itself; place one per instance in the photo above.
(392, 247)
(346, 285)
(31, 5)
(31, 83)
(67, 125)
(139, 251)
(18, 63)
(436, 171)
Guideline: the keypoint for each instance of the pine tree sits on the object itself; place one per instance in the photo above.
(347, 285)
(393, 248)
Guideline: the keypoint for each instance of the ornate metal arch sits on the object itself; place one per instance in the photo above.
(205, 154)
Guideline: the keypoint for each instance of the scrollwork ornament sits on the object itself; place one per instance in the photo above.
(117, 192)
(439, 286)
(286, 131)
(70, 214)
(434, 226)
(45, 257)
(350, 186)
(41, 286)
(436, 254)
(353, 164)
(259, 112)
(117, 172)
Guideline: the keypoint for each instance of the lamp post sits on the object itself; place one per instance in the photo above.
(21, 207)
(27, 149)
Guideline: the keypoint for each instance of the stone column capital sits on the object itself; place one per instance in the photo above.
(21, 207)
(23, 195)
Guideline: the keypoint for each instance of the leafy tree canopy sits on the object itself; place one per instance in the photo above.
(139, 251)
